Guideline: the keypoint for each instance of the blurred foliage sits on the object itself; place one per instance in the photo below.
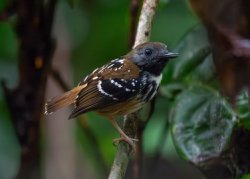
(243, 109)
(246, 176)
(189, 96)
(231, 55)
(9, 148)
(2, 5)
(8, 43)
(202, 120)
(193, 61)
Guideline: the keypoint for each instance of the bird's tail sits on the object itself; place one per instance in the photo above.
(64, 100)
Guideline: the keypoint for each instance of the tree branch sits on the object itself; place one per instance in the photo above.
(134, 11)
(25, 101)
(145, 21)
(130, 122)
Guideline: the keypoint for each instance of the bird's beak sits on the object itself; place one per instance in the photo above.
(170, 55)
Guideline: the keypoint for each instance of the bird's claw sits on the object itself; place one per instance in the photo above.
(130, 141)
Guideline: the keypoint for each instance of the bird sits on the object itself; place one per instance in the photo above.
(118, 88)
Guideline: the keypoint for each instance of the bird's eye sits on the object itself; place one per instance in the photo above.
(148, 52)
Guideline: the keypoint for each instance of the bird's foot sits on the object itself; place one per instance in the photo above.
(127, 139)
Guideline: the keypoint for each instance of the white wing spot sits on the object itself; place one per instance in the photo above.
(116, 84)
(86, 78)
(126, 89)
(121, 61)
(95, 77)
(110, 66)
(95, 70)
(99, 87)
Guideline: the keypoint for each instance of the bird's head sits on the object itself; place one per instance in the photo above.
(151, 56)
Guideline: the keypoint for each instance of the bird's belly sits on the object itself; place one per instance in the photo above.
(121, 109)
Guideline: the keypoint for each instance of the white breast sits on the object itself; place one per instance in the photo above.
(157, 79)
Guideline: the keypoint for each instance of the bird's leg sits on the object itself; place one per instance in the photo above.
(124, 136)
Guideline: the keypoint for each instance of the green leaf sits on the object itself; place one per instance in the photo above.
(202, 124)
(193, 50)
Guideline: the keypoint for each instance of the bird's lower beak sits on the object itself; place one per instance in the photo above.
(170, 55)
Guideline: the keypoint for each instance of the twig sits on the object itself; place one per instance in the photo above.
(121, 160)
(59, 80)
(134, 10)
(130, 122)
(94, 144)
(145, 21)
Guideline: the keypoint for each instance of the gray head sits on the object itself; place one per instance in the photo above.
(151, 57)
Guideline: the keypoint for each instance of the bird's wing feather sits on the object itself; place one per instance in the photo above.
(103, 93)
(114, 83)
(119, 68)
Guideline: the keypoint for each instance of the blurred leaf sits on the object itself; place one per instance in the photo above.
(194, 64)
(8, 73)
(202, 123)
(247, 176)
(243, 109)
(172, 21)
(100, 42)
(193, 49)
(163, 3)
(8, 42)
(170, 90)
(2, 5)
(72, 3)
(9, 147)
(76, 23)
(204, 72)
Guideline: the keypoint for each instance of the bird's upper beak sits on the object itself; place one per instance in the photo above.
(169, 55)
